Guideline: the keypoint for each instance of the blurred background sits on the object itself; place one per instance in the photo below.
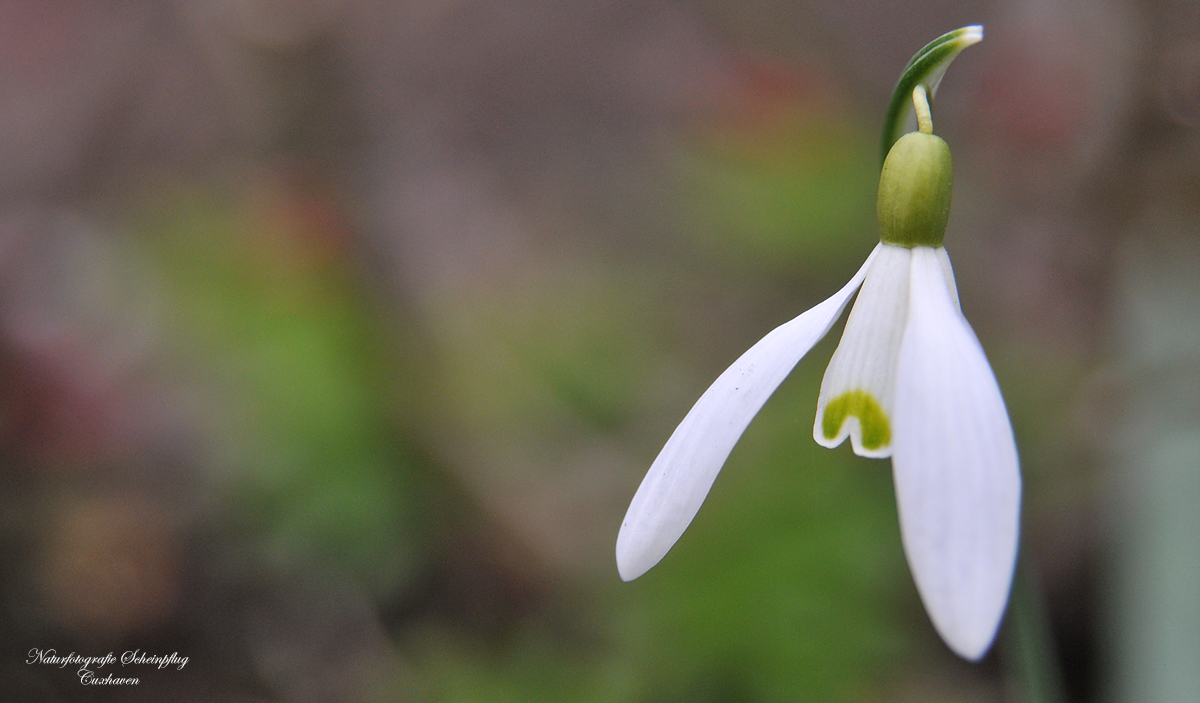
(336, 335)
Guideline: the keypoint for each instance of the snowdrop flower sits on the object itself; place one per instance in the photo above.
(909, 381)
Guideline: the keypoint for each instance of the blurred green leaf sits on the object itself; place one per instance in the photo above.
(270, 322)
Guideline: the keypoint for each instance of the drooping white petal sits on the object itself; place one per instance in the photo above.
(857, 391)
(681, 476)
(958, 487)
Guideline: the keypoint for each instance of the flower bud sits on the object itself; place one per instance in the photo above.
(914, 191)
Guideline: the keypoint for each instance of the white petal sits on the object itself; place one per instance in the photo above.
(958, 486)
(948, 270)
(681, 476)
(858, 386)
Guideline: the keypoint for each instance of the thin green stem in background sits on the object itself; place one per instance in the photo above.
(1031, 657)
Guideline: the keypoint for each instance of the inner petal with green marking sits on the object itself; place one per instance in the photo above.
(873, 421)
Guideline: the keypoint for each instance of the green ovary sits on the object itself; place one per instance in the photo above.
(876, 432)
(914, 191)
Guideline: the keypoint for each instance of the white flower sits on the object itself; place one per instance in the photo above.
(909, 381)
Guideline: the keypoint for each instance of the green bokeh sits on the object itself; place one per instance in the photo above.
(311, 466)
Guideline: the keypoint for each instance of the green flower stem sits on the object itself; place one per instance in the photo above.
(924, 115)
(1030, 655)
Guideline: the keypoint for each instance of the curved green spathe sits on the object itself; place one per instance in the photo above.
(925, 68)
